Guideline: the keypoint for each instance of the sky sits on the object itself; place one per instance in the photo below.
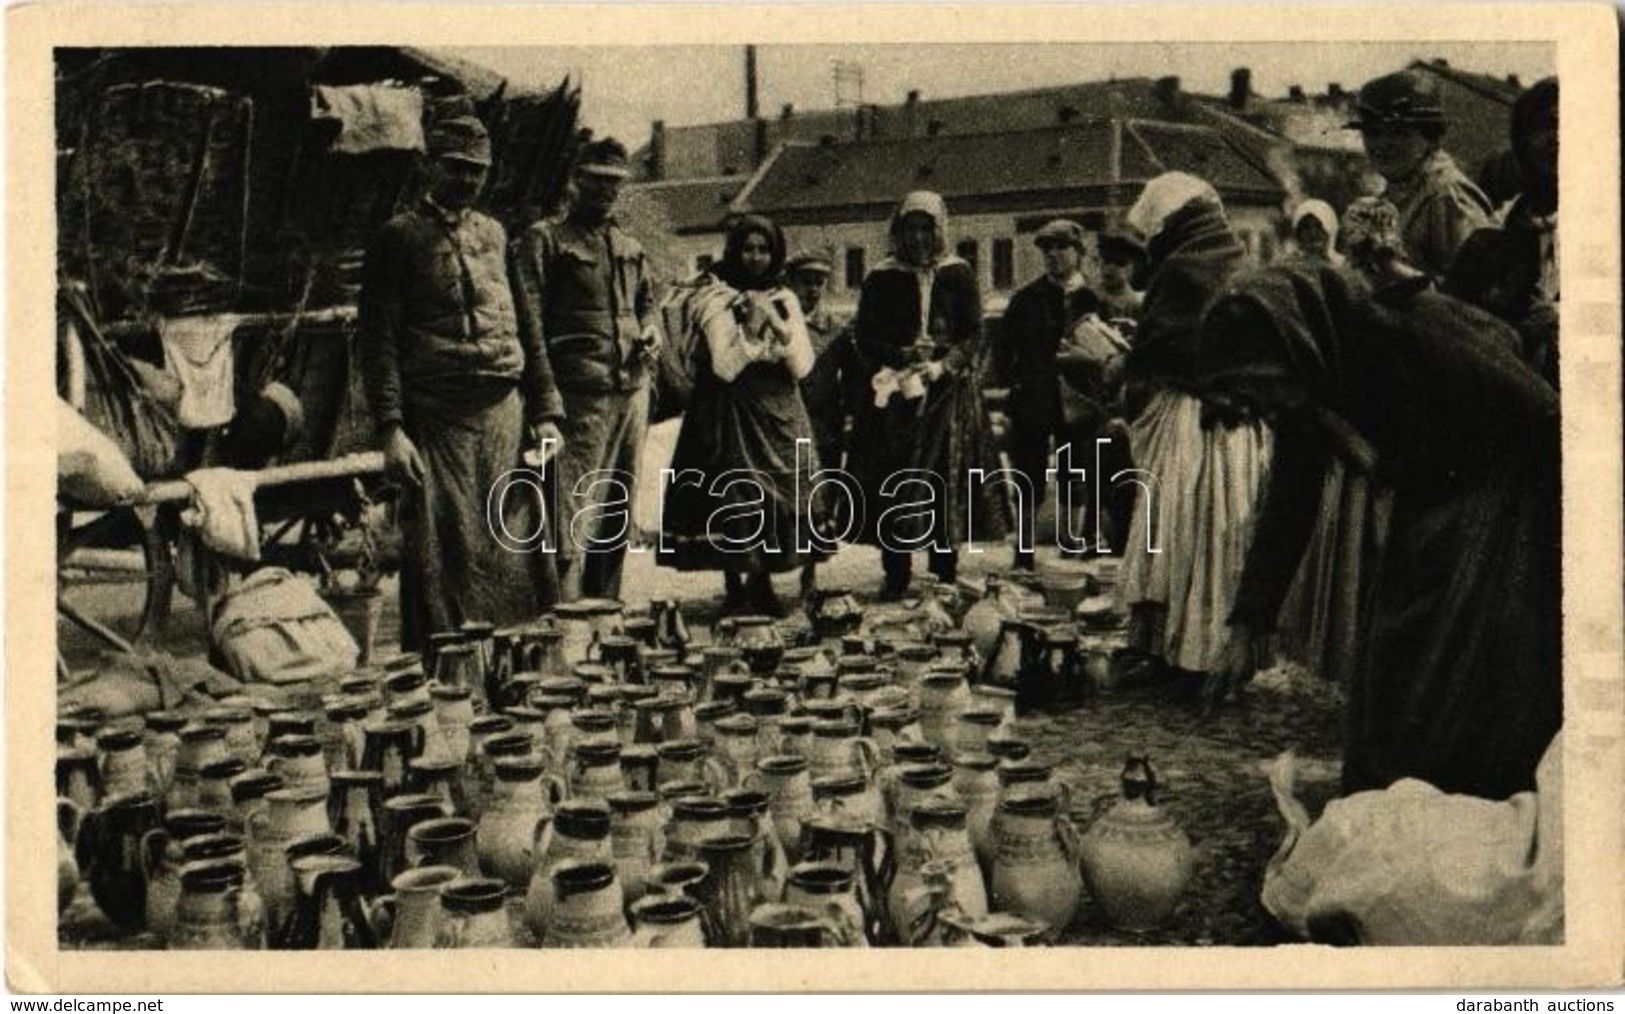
(625, 88)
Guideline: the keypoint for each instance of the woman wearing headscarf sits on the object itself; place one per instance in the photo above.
(917, 438)
(1455, 677)
(732, 502)
(1314, 232)
(1201, 470)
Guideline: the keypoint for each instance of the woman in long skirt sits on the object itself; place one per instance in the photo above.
(918, 438)
(1201, 471)
(733, 502)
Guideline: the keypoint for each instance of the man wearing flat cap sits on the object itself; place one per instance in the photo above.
(823, 390)
(1038, 325)
(1402, 123)
(456, 390)
(585, 288)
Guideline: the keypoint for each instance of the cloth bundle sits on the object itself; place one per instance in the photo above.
(91, 471)
(198, 353)
(372, 117)
(223, 510)
(274, 627)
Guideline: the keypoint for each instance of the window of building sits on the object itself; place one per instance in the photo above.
(970, 253)
(1004, 263)
(854, 267)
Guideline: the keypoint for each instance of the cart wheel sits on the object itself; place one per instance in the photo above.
(127, 594)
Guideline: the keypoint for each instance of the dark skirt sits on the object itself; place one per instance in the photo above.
(940, 439)
(733, 501)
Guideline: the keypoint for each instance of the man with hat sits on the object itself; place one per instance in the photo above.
(1402, 123)
(1038, 326)
(456, 388)
(585, 289)
(823, 390)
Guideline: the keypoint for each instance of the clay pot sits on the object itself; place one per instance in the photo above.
(1035, 866)
(474, 914)
(586, 910)
(1136, 860)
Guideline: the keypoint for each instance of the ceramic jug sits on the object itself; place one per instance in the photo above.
(478, 775)
(443, 841)
(686, 761)
(1136, 860)
(785, 780)
(759, 642)
(835, 750)
(124, 769)
(328, 912)
(778, 925)
(409, 916)
(474, 914)
(976, 781)
(298, 761)
(830, 890)
(214, 786)
(694, 820)
(521, 805)
(238, 725)
(163, 742)
(432, 741)
(399, 815)
(665, 920)
(677, 879)
(579, 831)
(1035, 866)
(664, 720)
(732, 889)
(441, 777)
(640, 767)
(944, 696)
(937, 836)
(586, 910)
(342, 738)
(575, 626)
(164, 858)
(217, 910)
(248, 792)
(112, 849)
(911, 786)
(857, 798)
(637, 838)
(289, 815)
(750, 815)
(454, 711)
(863, 849)
(77, 779)
(201, 745)
(595, 770)
(388, 747)
(735, 747)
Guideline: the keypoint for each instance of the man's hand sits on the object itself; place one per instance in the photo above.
(651, 341)
(934, 370)
(544, 441)
(401, 459)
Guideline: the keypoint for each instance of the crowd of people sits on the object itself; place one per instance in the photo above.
(1353, 450)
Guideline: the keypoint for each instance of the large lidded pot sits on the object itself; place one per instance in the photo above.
(1136, 860)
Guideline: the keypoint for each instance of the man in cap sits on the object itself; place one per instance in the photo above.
(823, 390)
(1121, 259)
(454, 386)
(1038, 325)
(585, 289)
(1402, 123)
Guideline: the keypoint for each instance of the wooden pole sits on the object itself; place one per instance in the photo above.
(351, 465)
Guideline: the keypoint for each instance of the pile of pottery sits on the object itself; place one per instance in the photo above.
(600, 779)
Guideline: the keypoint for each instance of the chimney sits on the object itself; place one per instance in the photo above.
(1512, 81)
(657, 150)
(913, 96)
(1334, 91)
(1167, 90)
(759, 149)
(1295, 93)
(752, 108)
(1241, 87)
(787, 111)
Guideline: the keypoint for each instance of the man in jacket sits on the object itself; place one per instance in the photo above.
(1052, 394)
(453, 384)
(585, 289)
(1402, 124)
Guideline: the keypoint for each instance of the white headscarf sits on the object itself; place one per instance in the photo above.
(1321, 212)
(1165, 195)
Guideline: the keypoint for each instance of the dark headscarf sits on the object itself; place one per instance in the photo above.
(1191, 258)
(731, 269)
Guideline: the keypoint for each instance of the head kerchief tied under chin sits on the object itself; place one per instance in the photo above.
(1318, 210)
(461, 138)
(1165, 195)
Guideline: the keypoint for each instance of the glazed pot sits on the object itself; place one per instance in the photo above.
(863, 849)
(586, 910)
(214, 786)
(443, 841)
(976, 781)
(441, 777)
(731, 890)
(521, 805)
(1136, 860)
(474, 914)
(1035, 866)
(388, 748)
(409, 916)
(454, 711)
(432, 744)
(164, 858)
(342, 738)
(693, 821)
(637, 838)
(399, 815)
(778, 925)
(760, 643)
(113, 853)
(124, 769)
(665, 920)
(298, 761)
(854, 797)
(579, 831)
(595, 771)
(937, 836)
(238, 725)
(944, 696)
(162, 742)
(217, 909)
(289, 815)
(830, 890)
(835, 750)
(201, 745)
(355, 812)
(664, 719)
(833, 612)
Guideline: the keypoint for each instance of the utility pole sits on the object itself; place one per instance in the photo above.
(752, 102)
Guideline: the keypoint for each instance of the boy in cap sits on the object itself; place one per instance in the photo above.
(1121, 259)
(453, 384)
(1402, 124)
(586, 291)
(807, 272)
